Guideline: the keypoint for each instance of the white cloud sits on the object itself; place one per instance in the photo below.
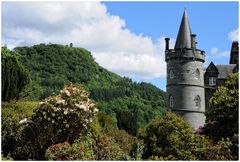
(233, 35)
(216, 53)
(214, 50)
(88, 25)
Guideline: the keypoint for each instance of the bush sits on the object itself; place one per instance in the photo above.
(7, 158)
(205, 149)
(168, 136)
(12, 113)
(106, 126)
(81, 149)
(171, 138)
(105, 147)
(65, 116)
(59, 118)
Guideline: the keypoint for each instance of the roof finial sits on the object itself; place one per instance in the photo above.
(185, 8)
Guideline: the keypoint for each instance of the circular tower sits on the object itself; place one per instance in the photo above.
(185, 76)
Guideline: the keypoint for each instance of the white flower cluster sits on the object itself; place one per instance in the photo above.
(71, 101)
(23, 121)
(65, 91)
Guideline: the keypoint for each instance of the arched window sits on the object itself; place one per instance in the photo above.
(197, 74)
(197, 101)
(170, 73)
(171, 101)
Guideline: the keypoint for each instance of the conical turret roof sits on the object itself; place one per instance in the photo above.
(184, 33)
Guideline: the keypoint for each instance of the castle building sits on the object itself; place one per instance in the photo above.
(216, 75)
(185, 76)
(189, 85)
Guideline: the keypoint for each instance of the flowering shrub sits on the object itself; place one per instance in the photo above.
(59, 118)
(66, 115)
(81, 149)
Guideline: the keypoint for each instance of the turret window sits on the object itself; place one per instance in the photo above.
(197, 74)
(171, 101)
(170, 73)
(197, 101)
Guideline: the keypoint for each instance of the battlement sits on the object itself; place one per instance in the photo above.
(186, 53)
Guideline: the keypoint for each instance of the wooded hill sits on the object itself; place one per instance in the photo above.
(130, 104)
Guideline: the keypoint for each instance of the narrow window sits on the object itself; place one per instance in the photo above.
(212, 81)
(171, 101)
(170, 73)
(197, 74)
(197, 101)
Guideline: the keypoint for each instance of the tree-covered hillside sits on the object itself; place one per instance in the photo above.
(52, 66)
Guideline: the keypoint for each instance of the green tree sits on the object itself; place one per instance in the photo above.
(171, 138)
(52, 66)
(168, 136)
(14, 75)
(222, 118)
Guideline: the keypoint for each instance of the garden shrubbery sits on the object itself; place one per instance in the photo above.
(12, 113)
(66, 127)
(81, 149)
(171, 138)
(223, 117)
(59, 118)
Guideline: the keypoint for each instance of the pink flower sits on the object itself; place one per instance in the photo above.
(80, 148)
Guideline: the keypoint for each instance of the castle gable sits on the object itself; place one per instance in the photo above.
(212, 69)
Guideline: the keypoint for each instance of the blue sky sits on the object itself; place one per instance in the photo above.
(124, 37)
(211, 21)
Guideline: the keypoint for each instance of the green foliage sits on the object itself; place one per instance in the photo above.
(110, 143)
(51, 66)
(81, 149)
(14, 76)
(204, 149)
(222, 118)
(12, 113)
(171, 138)
(224, 109)
(169, 135)
(131, 113)
(7, 158)
(128, 143)
(32, 92)
(59, 118)
(65, 116)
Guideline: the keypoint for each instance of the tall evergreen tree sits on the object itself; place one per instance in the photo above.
(14, 75)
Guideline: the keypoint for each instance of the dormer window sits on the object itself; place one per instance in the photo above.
(212, 81)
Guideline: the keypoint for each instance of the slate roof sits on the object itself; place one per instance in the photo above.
(225, 70)
(184, 33)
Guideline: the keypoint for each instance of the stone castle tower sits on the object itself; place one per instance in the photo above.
(185, 76)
